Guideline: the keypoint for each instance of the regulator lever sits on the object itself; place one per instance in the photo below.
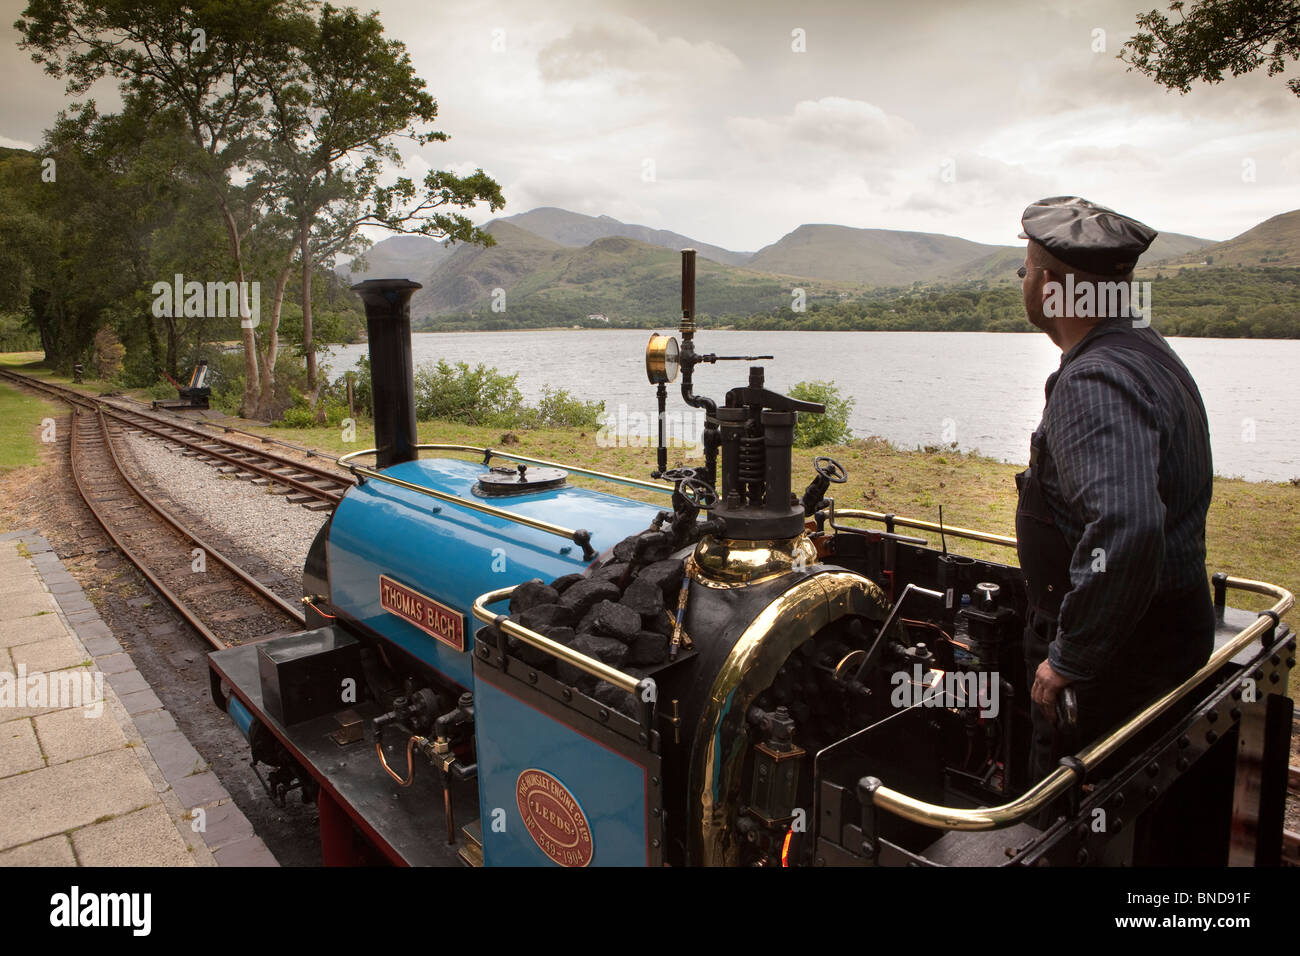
(711, 358)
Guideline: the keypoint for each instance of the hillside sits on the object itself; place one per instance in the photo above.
(887, 257)
(465, 277)
(1274, 242)
(574, 229)
(1170, 245)
(557, 268)
(400, 256)
(626, 281)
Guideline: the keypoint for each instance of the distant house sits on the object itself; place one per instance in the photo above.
(597, 317)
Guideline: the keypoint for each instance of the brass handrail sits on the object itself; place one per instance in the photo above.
(986, 536)
(990, 818)
(489, 453)
(588, 665)
(580, 537)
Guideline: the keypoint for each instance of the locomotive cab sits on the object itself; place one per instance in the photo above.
(506, 669)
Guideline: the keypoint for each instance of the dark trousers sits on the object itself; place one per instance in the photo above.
(1171, 641)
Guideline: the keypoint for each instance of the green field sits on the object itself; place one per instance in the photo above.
(20, 427)
(1253, 528)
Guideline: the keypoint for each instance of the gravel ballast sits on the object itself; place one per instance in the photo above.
(265, 524)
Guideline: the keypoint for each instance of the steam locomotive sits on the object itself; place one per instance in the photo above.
(509, 664)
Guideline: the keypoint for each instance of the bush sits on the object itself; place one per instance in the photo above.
(559, 409)
(362, 400)
(109, 353)
(457, 393)
(226, 377)
(829, 429)
(162, 389)
(298, 415)
(477, 396)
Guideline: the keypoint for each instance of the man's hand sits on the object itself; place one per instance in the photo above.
(1047, 685)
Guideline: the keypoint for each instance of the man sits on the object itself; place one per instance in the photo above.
(1111, 519)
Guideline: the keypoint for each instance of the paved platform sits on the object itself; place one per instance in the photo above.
(93, 769)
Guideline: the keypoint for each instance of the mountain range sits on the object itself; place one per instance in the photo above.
(554, 266)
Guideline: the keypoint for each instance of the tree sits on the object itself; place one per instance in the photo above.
(208, 60)
(1214, 36)
(108, 354)
(276, 103)
(128, 181)
(350, 93)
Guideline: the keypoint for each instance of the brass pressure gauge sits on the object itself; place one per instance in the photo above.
(661, 364)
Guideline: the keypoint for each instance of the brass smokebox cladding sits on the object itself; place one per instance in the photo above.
(722, 735)
(727, 562)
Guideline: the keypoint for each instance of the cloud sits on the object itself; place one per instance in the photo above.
(930, 202)
(833, 123)
(1112, 159)
(578, 191)
(632, 56)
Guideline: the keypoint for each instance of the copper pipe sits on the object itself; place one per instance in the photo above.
(410, 767)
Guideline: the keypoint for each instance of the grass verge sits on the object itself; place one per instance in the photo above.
(21, 415)
(1253, 529)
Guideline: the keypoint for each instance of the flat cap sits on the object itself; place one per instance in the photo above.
(1089, 237)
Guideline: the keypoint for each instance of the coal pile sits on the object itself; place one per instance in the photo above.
(619, 613)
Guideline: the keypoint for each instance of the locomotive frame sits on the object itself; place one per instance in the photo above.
(763, 731)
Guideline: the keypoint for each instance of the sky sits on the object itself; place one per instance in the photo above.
(734, 123)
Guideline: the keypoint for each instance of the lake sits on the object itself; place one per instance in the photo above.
(983, 390)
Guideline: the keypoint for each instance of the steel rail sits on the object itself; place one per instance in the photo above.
(202, 436)
(255, 585)
(161, 428)
(131, 556)
(323, 494)
(186, 612)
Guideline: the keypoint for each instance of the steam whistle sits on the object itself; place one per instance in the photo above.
(752, 432)
(665, 358)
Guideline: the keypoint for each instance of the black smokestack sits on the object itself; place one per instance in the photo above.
(392, 378)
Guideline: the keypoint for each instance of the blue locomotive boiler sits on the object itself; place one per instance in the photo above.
(508, 662)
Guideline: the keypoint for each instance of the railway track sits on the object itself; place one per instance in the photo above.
(222, 601)
(313, 487)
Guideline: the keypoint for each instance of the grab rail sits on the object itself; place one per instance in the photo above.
(990, 818)
(580, 536)
(891, 520)
(643, 688)
(490, 453)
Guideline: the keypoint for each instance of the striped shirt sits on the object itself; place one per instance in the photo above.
(1123, 457)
